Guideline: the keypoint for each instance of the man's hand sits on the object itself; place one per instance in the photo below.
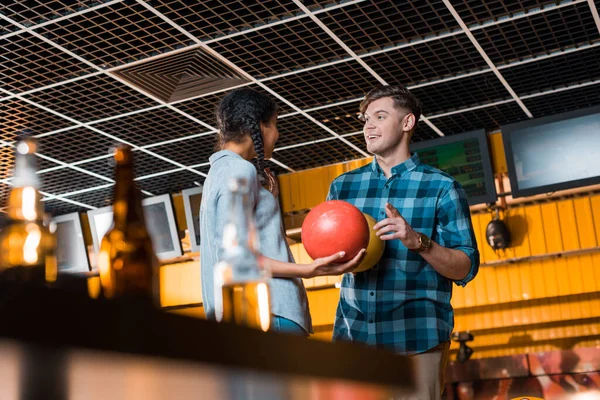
(327, 266)
(399, 228)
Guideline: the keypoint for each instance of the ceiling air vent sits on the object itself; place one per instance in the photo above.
(181, 76)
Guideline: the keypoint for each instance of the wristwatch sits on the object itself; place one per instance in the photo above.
(424, 243)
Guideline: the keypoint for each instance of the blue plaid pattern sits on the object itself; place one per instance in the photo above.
(403, 304)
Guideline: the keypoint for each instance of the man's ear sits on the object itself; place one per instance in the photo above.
(409, 122)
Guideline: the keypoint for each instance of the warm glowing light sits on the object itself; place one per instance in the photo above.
(593, 395)
(23, 148)
(104, 269)
(32, 242)
(28, 206)
(264, 312)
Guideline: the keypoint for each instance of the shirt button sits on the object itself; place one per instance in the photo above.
(370, 321)
(372, 293)
(382, 213)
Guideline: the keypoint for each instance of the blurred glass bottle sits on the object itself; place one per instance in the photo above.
(27, 247)
(241, 284)
(127, 264)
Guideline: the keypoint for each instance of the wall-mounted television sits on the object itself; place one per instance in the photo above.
(191, 204)
(553, 153)
(465, 157)
(160, 221)
(71, 251)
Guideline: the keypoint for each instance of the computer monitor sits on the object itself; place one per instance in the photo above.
(465, 157)
(160, 221)
(71, 251)
(553, 153)
(191, 204)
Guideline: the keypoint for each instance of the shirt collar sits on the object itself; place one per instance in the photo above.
(222, 153)
(399, 169)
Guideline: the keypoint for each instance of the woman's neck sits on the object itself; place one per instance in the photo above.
(245, 148)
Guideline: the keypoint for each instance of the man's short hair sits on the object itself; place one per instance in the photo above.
(403, 99)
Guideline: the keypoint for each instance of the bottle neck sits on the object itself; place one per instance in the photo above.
(127, 207)
(24, 201)
(25, 204)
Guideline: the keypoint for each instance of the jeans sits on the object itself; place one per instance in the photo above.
(285, 325)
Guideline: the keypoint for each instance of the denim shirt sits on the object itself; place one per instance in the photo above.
(288, 296)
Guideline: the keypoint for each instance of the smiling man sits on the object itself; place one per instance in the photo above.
(403, 303)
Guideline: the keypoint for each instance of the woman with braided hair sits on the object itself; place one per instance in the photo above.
(247, 123)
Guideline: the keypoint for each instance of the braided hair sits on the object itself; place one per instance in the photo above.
(240, 113)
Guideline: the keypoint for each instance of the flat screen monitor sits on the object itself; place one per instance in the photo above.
(160, 221)
(553, 153)
(71, 251)
(191, 204)
(466, 158)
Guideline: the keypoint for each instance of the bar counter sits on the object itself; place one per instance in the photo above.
(60, 345)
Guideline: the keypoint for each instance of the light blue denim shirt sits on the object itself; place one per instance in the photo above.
(288, 296)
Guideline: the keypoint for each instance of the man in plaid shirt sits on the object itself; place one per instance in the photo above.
(403, 303)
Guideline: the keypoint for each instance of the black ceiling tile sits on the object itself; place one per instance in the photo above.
(489, 118)
(315, 155)
(460, 93)
(56, 207)
(298, 129)
(341, 119)
(95, 198)
(7, 27)
(436, 59)
(358, 140)
(29, 63)
(33, 12)
(374, 25)
(144, 164)
(204, 107)
(425, 132)
(17, 115)
(209, 19)
(116, 34)
(171, 183)
(572, 68)
(542, 33)
(282, 48)
(477, 12)
(188, 152)
(92, 98)
(43, 164)
(323, 86)
(7, 162)
(154, 126)
(75, 145)
(68, 180)
(564, 101)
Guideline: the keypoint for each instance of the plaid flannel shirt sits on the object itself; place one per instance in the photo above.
(403, 303)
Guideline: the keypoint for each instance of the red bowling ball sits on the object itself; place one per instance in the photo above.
(335, 226)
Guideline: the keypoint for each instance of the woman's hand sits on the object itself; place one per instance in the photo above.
(327, 265)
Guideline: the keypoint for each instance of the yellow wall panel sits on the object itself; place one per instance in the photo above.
(323, 304)
(316, 185)
(535, 237)
(595, 202)
(491, 284)
(568, 225)
(285, 192)
(585, 222)
(552, 228)
(458, 297)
